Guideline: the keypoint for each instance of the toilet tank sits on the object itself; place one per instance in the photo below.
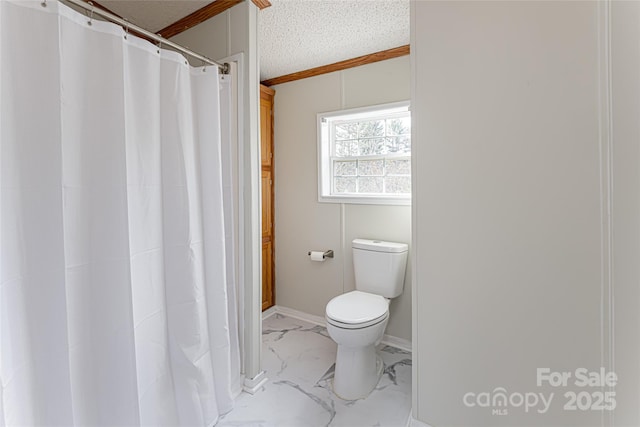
(379, 266)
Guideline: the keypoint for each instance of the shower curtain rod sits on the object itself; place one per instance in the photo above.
(129, 26)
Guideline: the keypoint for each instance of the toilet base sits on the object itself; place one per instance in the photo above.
(358, 370)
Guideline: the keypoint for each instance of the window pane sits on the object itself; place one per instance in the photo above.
(370, 167)
(404, 144)
(342, 148)
(399, 126)
(347, 131)
(399, 144)
(372, 146)
(371, 128)
(345, 168)
(345, 185)
(353, 148)
(399, 167)
(398, 184)
(370, 184)
(347, 148)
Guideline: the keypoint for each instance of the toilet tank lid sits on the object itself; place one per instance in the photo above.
(379, 245)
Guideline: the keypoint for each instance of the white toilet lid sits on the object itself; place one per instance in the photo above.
(357, 307)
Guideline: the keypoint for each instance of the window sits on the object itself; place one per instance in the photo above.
(364, 155)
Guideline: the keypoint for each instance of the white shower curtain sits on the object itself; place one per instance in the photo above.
(114, 307)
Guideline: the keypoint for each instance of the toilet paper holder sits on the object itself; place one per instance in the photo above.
(326, 254)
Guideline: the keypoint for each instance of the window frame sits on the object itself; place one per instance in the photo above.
(326, 158)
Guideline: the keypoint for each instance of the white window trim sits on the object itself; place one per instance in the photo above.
(324, 167)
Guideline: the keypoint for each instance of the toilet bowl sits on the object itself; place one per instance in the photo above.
(356, 320)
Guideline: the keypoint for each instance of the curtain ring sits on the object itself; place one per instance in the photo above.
(90, 21)
(159, 46)
(44, 3)
(126, 29)
(204, 66)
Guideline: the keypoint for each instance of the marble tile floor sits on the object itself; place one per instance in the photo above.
(299, 360)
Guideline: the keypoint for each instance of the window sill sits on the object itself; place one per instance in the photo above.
(366, 200)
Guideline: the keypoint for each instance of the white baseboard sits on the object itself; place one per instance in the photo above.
(396, 342)
(269, 312)
(237, 387)
(300, 315)
(412, 422)
(252, 385)
(390, 340)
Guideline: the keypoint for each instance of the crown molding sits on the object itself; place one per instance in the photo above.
(342, 65)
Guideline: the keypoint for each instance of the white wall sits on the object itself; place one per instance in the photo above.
(230, 33)
(625, 206)
(510, 210)
(212, 37)
(302, 223)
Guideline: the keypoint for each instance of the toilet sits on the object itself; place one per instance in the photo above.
(356, 320)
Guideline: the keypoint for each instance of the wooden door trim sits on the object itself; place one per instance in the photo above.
(267, 94)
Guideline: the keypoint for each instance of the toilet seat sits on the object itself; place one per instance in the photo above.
(356, 325)
(357, 310)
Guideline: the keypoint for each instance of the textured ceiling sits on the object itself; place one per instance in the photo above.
(296, 35)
